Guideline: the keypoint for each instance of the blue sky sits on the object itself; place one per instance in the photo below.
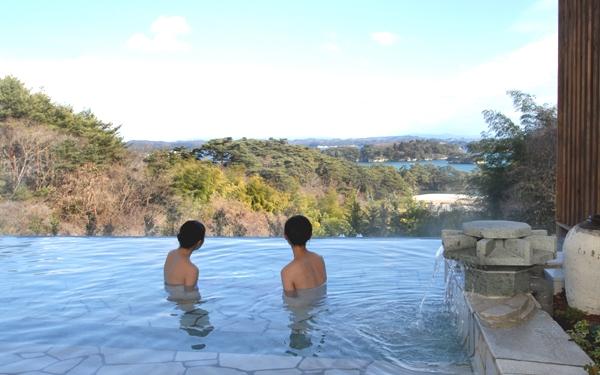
(167, 70)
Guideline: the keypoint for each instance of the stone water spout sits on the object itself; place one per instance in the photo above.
(498, 257)
(498, 243)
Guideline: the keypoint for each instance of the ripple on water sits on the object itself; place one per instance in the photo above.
(109, 291)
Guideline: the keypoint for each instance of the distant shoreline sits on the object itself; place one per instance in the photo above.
(463, 167)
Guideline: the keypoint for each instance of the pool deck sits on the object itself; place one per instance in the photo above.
(91, 360)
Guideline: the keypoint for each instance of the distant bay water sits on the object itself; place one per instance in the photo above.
(437, 163)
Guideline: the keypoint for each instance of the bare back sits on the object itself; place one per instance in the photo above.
(305, 272)
(179, 270)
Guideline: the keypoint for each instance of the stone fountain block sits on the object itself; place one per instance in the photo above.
(496, 229)
(457, 241)
(544, 248)
(500, 252)
(479, 244)
(503, 312)
(451, 232)
(543, 242)
(497, 282)
(539, 232)
(486, 246)
(498, 255)
(519, 247)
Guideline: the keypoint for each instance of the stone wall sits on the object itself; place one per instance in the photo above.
(535, 346)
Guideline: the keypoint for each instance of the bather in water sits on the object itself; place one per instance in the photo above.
(180, 274)
(181, 280)
(304, 282)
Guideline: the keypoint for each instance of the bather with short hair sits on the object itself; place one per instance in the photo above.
(180, 274)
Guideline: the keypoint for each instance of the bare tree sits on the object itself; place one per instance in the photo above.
(26, 154)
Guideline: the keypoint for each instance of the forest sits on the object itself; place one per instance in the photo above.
(412, 150)
(409, 150)
(68, 173)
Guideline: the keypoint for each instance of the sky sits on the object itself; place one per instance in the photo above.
(178, 70)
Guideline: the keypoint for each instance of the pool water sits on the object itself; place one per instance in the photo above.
(109, 292)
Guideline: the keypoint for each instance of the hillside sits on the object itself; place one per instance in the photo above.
(68, 173)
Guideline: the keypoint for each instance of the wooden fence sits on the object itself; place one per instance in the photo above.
(578, 163)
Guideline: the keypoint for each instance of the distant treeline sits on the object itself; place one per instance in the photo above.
(63, 172)
(402, 151)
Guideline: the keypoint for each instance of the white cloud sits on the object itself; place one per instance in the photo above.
(384, 38)
(331, 47)
(170, 99)
(166, 32)
(532, 68)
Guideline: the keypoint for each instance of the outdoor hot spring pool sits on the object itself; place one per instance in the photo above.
(109, 292)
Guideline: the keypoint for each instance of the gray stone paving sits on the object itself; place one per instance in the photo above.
(74, 360)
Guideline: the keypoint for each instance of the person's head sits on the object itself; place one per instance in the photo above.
(297, 230)
(191, 235)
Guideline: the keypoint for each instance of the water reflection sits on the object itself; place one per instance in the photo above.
(304, 309)
(194, 320)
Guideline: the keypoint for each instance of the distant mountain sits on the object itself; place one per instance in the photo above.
(337, 142)
(138, 145)
(142, 145)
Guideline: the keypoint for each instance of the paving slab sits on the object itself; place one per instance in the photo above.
(6, 358)
(311, 363)
(31, 355)
(114, 356)
(79, 360)
(24, 365)
(252, 362)
(342, 372)
(386, 368)
(23, 347)
(539, 339)
(292, 371)
(172, 368)
(66, 352)
(202, 362)
(246, 326)
(63, 366)
(194, 356)
(89, 366)
(507, 366)
(213, 371)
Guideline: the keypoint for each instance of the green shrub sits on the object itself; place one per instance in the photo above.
(588, 338)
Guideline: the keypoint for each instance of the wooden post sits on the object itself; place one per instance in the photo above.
(578, 161)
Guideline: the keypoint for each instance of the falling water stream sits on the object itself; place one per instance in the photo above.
(439, 259)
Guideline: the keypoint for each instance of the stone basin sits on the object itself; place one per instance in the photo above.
(496, 229)
(498, 243)
(498, 255)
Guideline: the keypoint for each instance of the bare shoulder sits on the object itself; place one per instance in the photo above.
(170, 257)
(317, 256)
(288, 268)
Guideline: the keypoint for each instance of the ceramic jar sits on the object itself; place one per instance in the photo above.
(582, 266)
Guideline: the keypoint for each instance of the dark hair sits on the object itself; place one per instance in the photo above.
(298, 230)
(190, 233)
